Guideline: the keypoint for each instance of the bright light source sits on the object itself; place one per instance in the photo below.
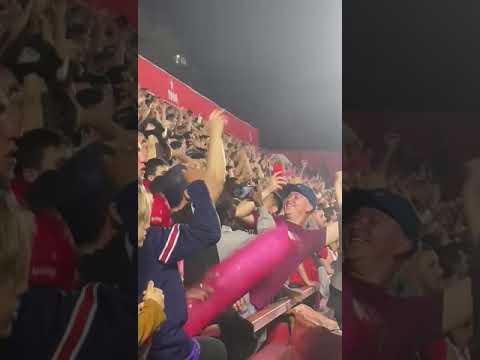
(181, 60)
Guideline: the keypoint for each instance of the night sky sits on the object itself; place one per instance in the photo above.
(273, 63)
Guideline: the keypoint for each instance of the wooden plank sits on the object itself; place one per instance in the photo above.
(265, 316)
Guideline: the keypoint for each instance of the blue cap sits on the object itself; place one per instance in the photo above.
(395, 206)
(302, 189)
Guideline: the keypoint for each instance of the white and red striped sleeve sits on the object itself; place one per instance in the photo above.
(79, 325)
(170, 244)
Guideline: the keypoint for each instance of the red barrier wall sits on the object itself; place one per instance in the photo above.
(127, 8)
(167, 87)
(316, 158)
(449, 138)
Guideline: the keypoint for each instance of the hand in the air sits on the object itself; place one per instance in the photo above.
(216, 123)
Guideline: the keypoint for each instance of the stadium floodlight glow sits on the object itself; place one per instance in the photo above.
(180, 60)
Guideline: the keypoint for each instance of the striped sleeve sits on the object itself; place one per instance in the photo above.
(170, 244)
(79, 324)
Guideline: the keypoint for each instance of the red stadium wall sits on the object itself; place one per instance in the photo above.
(127, 8)
(316, 158)
(444, 140)
(174, 91)
(167, 87)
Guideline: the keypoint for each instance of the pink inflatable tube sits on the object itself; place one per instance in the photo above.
(237, 274)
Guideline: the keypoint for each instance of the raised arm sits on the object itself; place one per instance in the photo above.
(457, 305)
(265, 220)
(246, 207)
(459, 300)
(471, 194)
(392, 143)
(33, 113)
(338, 187)
(60, 29)
(332, 231)
(472, 207)
(216, 164)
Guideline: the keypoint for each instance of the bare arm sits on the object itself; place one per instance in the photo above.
(33, 113)
(246, 207)
(314, 317)
(471, 193)
(216, 163)
(457, 305)
(265, 220)
(391, 147)
(244, 167)
(333, 233)
(458, 300)
(338, 187)
(60, 28)
(304, 276)
(119, 57)
(24, 16)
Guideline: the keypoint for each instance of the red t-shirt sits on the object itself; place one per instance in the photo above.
(308, 242)
(378, 326)
(54, 260)
(310, 268)
(436, 350)
(161, 212)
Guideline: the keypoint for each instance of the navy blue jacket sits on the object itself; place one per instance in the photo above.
(157, 260)
(97, 322)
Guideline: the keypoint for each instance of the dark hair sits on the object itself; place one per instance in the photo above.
(196, 154)
(175, 144)
(151, 166)
(329, 212)
(225, 205)
(172, 184)
(60, 112)
(127, 118)
(278, 203)
(89, 97)
(183, 216)
(431, 240)
(31, 147)
(237, 334)
(121, 21)
(86, 192)
(43, 192)
(157, 128)
(450, 259)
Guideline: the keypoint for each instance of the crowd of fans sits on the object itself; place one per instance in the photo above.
(440, 260)
(70, 113)
(69, 236)
(68, 233)
(184, 158)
